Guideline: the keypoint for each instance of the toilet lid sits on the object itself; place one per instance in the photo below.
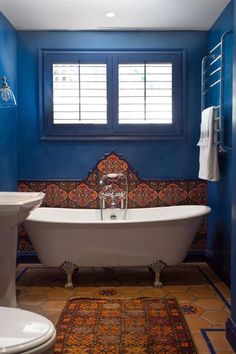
(22, 330)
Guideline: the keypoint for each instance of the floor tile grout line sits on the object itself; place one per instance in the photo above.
(227, 304)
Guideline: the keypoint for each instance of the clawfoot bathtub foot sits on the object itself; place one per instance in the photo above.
(157, 268)
(69, 268)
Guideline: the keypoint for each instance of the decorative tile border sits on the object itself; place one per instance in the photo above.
(142, 193)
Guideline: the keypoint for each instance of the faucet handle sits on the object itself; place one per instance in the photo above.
(108, 188)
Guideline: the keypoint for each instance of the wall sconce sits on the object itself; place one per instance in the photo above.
(7, 98)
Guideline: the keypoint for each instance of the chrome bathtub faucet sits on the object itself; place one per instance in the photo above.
(109, 192)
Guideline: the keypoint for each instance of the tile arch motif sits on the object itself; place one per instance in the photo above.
(112, 163)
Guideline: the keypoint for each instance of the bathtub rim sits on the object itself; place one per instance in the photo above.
(202, 211)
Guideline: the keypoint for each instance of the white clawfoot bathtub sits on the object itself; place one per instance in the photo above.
(74, 238)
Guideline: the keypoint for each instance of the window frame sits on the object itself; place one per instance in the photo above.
(112, 130)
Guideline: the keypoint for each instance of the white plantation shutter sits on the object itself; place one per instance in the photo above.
(79, 94)
(112, 95)
(145, 93)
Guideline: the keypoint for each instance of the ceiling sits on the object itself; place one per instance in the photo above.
(129, 14)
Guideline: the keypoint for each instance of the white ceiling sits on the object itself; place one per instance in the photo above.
(130, 14)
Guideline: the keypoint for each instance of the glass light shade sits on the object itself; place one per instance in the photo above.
(7, 98)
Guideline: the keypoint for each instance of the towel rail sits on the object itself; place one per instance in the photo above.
(208, 62)
(215, 60)
(213, 49)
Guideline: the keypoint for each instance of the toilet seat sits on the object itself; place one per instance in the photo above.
(24, 331)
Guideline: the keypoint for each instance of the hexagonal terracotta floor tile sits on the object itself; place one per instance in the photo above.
(131, 289)
(200, 343)
(184, 297)
(219, 342)
(57, 305)
(176, 288)
(153, 292)
(209, 304)
(33, 299)
(206, 291)
(59, 294)
(216, 317)
(196, 323)
(31, 290)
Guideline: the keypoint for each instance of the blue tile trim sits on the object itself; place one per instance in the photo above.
(227, 304)
(21, 274)
(231, 333)
(207, 339)
(27, 257)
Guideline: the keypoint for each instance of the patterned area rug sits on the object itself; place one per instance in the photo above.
(123, 326)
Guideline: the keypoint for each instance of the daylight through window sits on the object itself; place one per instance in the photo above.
(79, 94)
(145, 93)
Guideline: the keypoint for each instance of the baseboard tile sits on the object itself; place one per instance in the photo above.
(196, 256)
(31, 257)
(27, 257)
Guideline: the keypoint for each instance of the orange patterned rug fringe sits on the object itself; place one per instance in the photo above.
(123, 326)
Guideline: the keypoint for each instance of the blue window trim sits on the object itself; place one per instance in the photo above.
(112, 130)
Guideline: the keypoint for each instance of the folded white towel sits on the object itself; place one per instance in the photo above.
(208, 154)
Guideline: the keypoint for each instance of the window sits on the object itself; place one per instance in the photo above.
(145, 93)
(111, 95)
(79, 94)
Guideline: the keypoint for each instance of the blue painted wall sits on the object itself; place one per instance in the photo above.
(231, 323)
(233, 246)
(72, 160)
(220, 193)
(8, 117)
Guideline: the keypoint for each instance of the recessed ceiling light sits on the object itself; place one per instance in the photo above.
(110, 14)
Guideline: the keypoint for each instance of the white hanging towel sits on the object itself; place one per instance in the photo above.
(208, 154)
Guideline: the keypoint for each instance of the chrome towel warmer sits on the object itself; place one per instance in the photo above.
(216, 56)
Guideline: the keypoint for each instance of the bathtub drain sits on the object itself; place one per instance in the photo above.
(113, 217)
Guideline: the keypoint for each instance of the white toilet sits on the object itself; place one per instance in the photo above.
(25, 332)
